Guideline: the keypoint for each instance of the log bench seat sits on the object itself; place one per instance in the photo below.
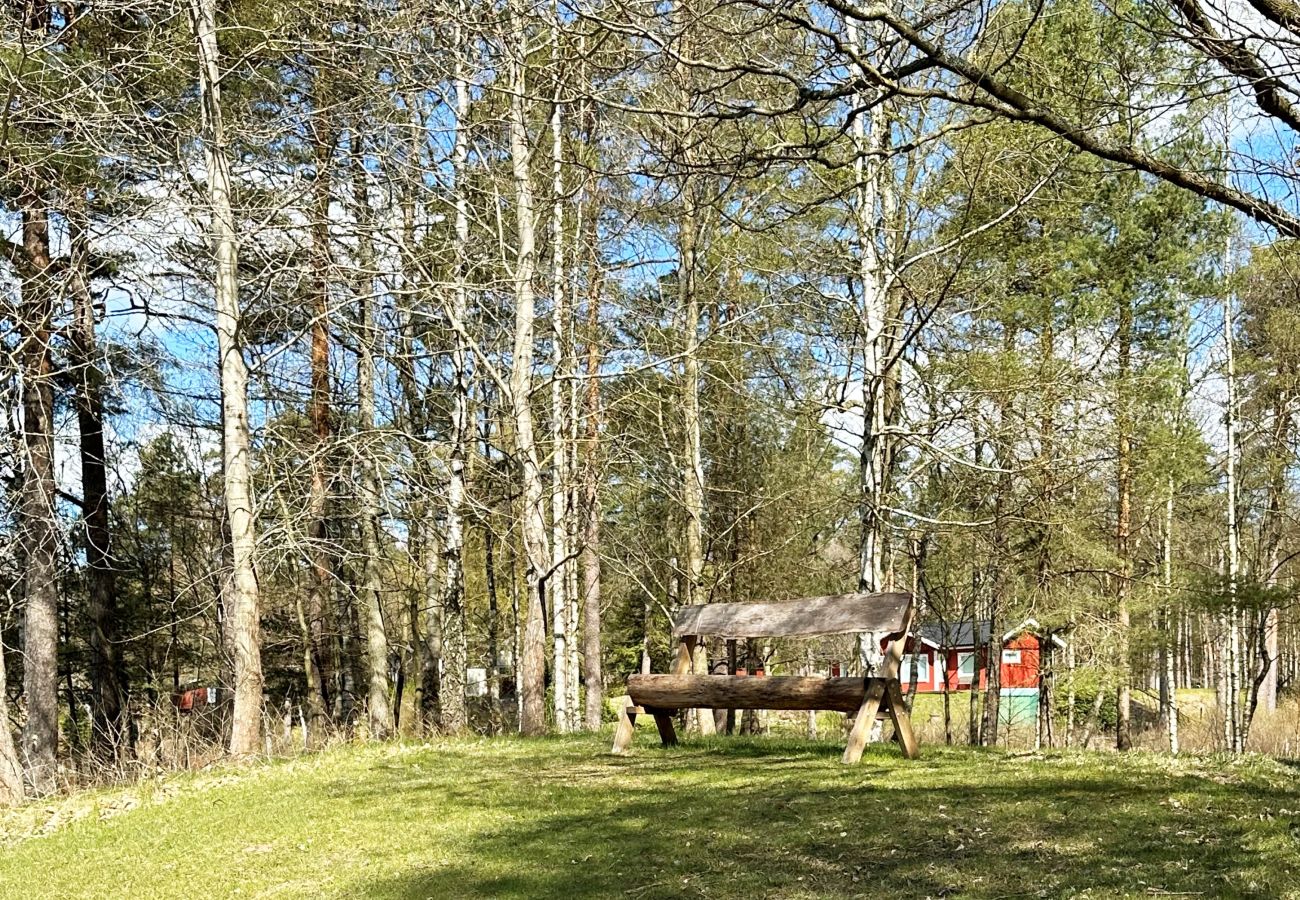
(882, 616)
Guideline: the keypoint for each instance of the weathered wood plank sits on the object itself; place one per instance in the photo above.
(864, 720)
(682, 661)
(626, 729)
(902, 720)
(667, 734)
(883, 614)
(745, 692)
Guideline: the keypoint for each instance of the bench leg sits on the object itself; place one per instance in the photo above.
(667, 734)
(863, 720)
(902, 722)
(626, 729)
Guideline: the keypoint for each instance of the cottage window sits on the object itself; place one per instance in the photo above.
(1011, 657)
(922, 669)
(965, 667)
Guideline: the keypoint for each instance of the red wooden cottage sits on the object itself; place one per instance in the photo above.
(957, 652)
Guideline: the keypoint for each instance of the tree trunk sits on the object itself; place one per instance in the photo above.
(869, 141)
(591, 507)
(379, 708)
(493, 620)
(109, 721)
(1002, 560)
(557, 583)
(431, 645)
(321, 588)
(1123, 524)
(237, 482)
(973, 694)
(537, 557)
(1070, 696)
(1168, 647)
(1268, 681)
(39, 535)
(11, 770)
(454, 714)
(1270, 650)
(1232, 685)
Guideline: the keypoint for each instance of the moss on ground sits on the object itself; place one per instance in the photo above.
(741, 818)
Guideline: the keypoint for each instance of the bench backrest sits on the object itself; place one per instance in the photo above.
(881, 614)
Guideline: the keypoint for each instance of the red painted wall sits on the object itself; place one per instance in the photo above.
(1025, 673)
(1014, 675)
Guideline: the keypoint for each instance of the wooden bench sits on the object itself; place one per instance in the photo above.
(881, 616)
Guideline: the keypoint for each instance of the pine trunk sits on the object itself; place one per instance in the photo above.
(39, 531)
(321, 588)
(11, 769)
(110, 726)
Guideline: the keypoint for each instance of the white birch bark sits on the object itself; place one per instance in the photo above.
(242, 590)
(454, 717)
(1232, 687)
(537, 558)
(869, 199)
(1169, 693)
(379, 708)
(558, 582)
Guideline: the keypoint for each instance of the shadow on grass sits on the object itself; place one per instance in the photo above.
(784, 819)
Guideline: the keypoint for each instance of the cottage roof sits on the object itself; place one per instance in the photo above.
(958, 634)
(967, 634)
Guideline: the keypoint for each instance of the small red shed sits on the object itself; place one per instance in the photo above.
(956, 652)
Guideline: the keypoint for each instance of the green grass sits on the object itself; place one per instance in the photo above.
(725, 818)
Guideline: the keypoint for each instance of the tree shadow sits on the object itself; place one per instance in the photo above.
(718, 821)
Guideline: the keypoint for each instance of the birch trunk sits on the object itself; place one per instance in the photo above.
(433, 648)
(242, 591)
(591, 507)
(1001, 541)
(1268, 678)
(870, 185)
(1232, 686)
(454, 715)
(494, 611)
(1123, 524)
(692, 453)
(873, 211)
(379, 708)
(1168, 648)
(557, 583)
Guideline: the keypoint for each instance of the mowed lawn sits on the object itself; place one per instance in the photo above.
(719, 819)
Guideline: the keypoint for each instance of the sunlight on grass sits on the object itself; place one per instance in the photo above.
(716, 818)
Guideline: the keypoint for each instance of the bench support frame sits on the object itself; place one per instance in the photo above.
(881, 696)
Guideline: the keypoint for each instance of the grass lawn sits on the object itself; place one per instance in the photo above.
(718, 819)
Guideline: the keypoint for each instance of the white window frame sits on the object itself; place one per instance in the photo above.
(962, 677)
(922, 672)
(1011, 657)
